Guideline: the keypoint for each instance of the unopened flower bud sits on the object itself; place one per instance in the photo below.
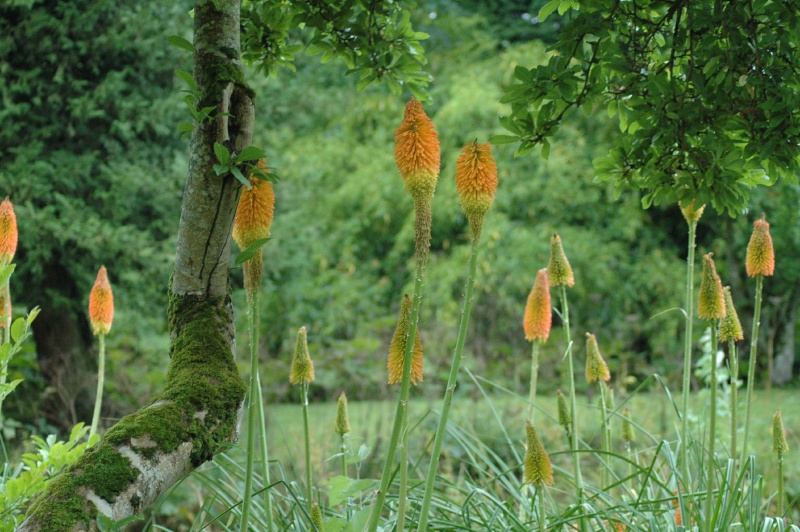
(558, 270)
(397, 347)
(538, 469)
(760, 259)
(302, 369)
(101, 304)
(538, 311)
(711, 300)
(596, 367)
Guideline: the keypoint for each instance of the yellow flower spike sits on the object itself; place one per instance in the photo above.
(627, 427)
(730, 328)
(538, 469)
(101, 304)
(342, 419)
(8, 231)
(538, 310)
(476, 183)
(779, 444)
(302, 370)
(690, 214)
(316, 517)
(711, 300)
(397, 347)
(564, 416)
(558, 270)
(760, 259)
(596, 367)
(416, 152)
(255, 211)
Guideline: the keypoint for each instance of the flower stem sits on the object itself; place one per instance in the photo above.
(734, 363)
(539, 494)
(451, 386)
(254, 399)
(309, 490)
(781, 495)
(254, 334)
(535, 348)
(344, 455)
(605, 438)
(402, 501)
(572, 401)
(101, 370)
(751, 372)
(687, 356)
(402, 403)
(712, 430)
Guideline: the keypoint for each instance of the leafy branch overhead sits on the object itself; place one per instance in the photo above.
(374, 39)
(706, 94)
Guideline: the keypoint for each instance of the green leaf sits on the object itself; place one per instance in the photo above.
(251, 251)
(548, 9)
(18, 329)
(240, 176)
(179, 42)
(250, 153)
(503, 139)
(5, 274)
(222, 153)
(187, 78)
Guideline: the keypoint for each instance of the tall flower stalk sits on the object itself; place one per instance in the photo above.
(101, 315)
(759, 262)
(711, 307)
(9, 236)
(692, 216)
(538, 471)
(302, 373)
(560, 274)
(597, 371)
(254, 215)
(536, 324)
(730, 330)
(779, 446)
(417, 156)
(476, 182)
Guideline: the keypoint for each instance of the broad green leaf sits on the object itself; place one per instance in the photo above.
(251, 251)
(503, 139)
(5, 273)
(18, 329)
(179, 42)
(187, 78)
(240, 176)
(222, 153)
(548, 9)
(250, 153)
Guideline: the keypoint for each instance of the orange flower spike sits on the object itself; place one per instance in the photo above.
(255, 211)
(101, 304)
(8, 231)
(476, 182)
(417, 152)
(397, 347)
(711, 300)
(760, 258)
(538, 311)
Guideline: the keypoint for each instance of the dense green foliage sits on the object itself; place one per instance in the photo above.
(706, 94)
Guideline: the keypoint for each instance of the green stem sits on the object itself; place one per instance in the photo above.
(253, 399)
(101, 370)
(309, 491)
(401, 497)
(402, 403)
(539, 494)
(781, 495)
(687, 357)
(255, 320)
(572, 401)
(751, 372)
(6, 335)
(712, 430)
(605, 438)
(451, 386)
(535, 348)
(344, 456)
(734, 363)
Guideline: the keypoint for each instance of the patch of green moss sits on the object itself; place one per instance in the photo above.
(164, 424)
(105, 471)
(61, 507)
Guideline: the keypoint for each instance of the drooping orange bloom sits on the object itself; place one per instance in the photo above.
(711, 300)
(255, 211)
(538, 311)
(101, 303)
(397, 347)
(417, 152)
(596, 367)
(760, 258)
(476, 182)
(559, 270)
(8, 231)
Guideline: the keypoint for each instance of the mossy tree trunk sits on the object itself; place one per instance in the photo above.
(148, 451)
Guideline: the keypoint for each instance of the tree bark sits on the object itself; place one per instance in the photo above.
(148, 451)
